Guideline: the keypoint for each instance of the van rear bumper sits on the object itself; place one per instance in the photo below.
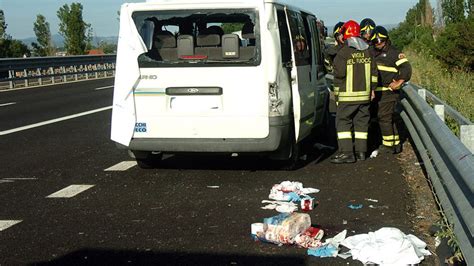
(278, 134)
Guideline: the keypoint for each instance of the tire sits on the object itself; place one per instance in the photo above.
(147, 160)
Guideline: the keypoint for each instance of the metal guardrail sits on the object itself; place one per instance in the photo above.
(448, 162)
(25, 72)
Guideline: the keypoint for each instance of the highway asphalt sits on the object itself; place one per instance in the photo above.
(192, 210)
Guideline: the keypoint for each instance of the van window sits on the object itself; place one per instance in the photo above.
(201, 37)
(316, 41)
(300, 39)
(284, 37)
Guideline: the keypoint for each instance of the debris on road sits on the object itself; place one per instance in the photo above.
(355, 206)
(387, 245)
(213, 186)
(330, 248)
(374, 154)
(372, 200)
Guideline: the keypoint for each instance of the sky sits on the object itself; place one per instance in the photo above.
(102, 14)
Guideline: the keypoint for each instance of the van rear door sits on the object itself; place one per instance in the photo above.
(127, 74)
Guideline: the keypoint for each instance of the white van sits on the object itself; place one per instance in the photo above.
(217, 76)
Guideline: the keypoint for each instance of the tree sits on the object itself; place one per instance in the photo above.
(416, 29)
(453, 11)
(456, 45)
(3, 25)
(73, 28)
(44, 46)
(470, 8)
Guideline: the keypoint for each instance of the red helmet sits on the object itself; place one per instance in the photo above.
(351, 29)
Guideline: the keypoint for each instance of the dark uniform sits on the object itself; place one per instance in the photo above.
(392, 65)
(355, 75)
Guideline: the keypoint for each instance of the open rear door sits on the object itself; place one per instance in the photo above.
(127, 75)
(294, 82)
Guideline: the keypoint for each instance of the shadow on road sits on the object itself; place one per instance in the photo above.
(125, 257)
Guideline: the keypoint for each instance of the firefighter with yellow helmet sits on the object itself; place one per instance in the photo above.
(393, 70)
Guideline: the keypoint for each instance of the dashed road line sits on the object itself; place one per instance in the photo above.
(103, 88)
(70, 191)
(4, 224)
(10, 131)
(122, 166)
(7, 104)
(20, 178)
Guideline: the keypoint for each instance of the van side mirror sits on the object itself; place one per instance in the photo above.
(146, 32)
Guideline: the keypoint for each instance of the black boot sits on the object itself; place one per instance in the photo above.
(397, 148)
(343, 157)
(360, 155)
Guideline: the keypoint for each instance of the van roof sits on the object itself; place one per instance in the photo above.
(288, 3)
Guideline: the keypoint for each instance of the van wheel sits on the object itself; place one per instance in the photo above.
(295, 151)
(148, 160)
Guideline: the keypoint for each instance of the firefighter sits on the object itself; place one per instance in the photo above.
(367, 27)
(393, 70)
(331, 52)
(355, 78)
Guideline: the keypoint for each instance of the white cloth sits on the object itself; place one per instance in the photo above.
(386, 246)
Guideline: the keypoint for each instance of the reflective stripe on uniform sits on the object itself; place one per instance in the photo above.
(349, 78)
(336, 91)
(383, 89)
(390, 143)
(375, 79)
(391, 137)
(360, 135)
(353, 98)
(387, 69)
(344, 135)
(367, 77)
(401, 61)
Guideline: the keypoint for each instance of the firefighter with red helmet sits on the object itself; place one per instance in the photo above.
(355, 78)
(393, 70)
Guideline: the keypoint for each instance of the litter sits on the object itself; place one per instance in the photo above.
(387, 245)
(283, 228)
(330, 248)
(280, 206)
(311, 238)
(355, 206)
(374, 154)
(289, 191)
(372, 200)
(213, 186)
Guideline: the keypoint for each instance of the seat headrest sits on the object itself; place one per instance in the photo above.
(165, 39)
(248, 30)
(208, 40)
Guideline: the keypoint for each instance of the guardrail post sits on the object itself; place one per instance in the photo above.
(10, 75)
(467, 136)
(25, 73)
(75, 73)
(422, 93)
(40, 80)
(87, 73)
(439, 110)
(63, 69)
(52, 77)
(96, 69)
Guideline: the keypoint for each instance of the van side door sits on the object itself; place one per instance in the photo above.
(321, 89)
(302, 91)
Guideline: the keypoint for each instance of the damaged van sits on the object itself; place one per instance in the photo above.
(217, 76)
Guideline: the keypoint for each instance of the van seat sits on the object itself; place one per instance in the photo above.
(209, 45)
(185, 45)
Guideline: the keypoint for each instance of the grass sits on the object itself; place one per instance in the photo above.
(454, 87)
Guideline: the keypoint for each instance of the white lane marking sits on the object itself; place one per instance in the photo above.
(20, 178)
(122, 166)
(4, 224)
(6, 181)
(7, 104)
(70, 191)
(103, 88)
(13, 130)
